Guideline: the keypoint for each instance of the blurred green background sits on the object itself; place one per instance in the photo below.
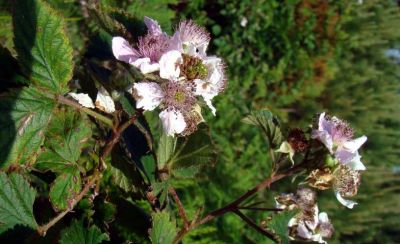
(297, 58)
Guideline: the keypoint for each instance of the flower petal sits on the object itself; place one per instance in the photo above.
(104, 102)
(169, 65)
(355, 144)
(152, 26)
(123, 51)
(148, 95)
(172, 121)
(83, 99)
(348, 203)
(355, 163)
(209, 104)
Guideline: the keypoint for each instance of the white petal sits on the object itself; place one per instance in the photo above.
(317, 238)
(324, 137)
(123, 51)
(83, 99)
(146, 68)
(152, 26)
(149, 95)
(356, 164)
(292, 221)
(173, 122)
(209, 104)
(323, 217)
(355, 144)
(104, 102)
(348, 203)
(169, 65)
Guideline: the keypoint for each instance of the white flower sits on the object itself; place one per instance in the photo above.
(83, 99)
(214, 83)
(337, 136)
(148, 95)
(169, 65)
(172, 121)
(153, 27)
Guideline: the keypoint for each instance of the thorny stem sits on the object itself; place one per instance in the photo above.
(255, 226)
(95, 180)
(262, 209)
(181, 209)
(63, 100)
(235, 205)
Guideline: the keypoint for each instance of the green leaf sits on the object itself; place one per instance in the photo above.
(42, 45)
(77, 233)
(16, 201)
(268, 123)
(279, 225)
(65, 188)
(65, 138)
(24, 118)
(165, 150)
(163, 229)
(188, 172)
(195, 150)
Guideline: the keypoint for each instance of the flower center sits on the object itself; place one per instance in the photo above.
(193, 68)
(179, 97)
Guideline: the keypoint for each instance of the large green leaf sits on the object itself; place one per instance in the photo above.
(65, 137)
(163, 229)
(16, 202)
(42, 45)
(65, 188)
(268, 123)
(77, 233)
(24, 118)
(195, 150)
(165, 150)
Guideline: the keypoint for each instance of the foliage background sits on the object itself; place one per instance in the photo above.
(296, 57)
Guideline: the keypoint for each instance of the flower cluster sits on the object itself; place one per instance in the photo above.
(344, 171)
(308, 224)
(185, 73)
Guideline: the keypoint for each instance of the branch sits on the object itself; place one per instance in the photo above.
(42, 230)
(96, 115)
(261, 209)
(181, 209)
(255, 226)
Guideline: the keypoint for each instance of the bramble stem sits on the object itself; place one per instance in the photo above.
(255, 226)
(181, 209)
(261, 209)
(96, 115)
(42, 230)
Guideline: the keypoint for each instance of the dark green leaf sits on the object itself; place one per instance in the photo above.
(24, 118)
(77, 233)
(65, 188)
(163, 229)
(188, 172)
(65, 138)
(194, 150)
(16, 201)
(268, 123)
(42, 45)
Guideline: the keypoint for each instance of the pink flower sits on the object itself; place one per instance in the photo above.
(337, 136)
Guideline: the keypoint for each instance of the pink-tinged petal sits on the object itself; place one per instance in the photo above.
(355, 144)
(344, 156)
(175, 43)
(123, 51)
(324, 137)
(348, 203)
(303, 231)
(152, 26)
(148, 95)
(169, 65)
(145, 65)
(323, 217)
(172, 121)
